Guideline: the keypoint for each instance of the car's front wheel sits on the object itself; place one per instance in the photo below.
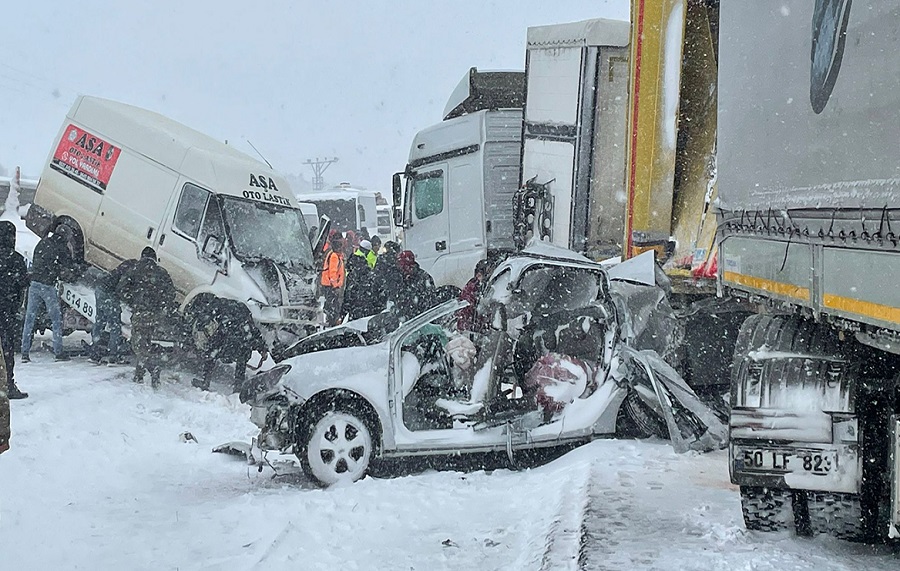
(338, 447)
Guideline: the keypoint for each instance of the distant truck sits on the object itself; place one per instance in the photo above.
(348, 208)
(455, 207)
(809, 198)
(221, 222)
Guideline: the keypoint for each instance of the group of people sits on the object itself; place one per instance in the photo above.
(360, 277)
(221, 330)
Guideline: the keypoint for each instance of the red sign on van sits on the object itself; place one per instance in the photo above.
(85, 157)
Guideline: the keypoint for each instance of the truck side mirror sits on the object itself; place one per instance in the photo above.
(397, 190)
(398, 216)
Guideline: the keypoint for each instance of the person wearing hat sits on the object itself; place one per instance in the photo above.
(147, 288)
(371, 247)
(52, 261)
(416, 291)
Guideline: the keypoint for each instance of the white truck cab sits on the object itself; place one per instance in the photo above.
(220, 221)
(462, 174)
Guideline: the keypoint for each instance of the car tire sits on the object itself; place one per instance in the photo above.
(336, 446)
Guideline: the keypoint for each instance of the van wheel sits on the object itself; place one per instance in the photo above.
(766, 509)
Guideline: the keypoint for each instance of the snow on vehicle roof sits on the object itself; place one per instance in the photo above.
(542, 249)
(209, 162)
(595, 32)
(337, 194)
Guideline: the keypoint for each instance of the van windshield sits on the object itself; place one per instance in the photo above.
(259, 230)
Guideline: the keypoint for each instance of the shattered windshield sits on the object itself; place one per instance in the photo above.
(259, 230)
(551, 289)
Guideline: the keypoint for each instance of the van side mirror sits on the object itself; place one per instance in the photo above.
(213, 248)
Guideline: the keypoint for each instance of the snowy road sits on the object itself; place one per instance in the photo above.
(99, 479)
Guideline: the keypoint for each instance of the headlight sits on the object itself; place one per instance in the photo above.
(264, 382)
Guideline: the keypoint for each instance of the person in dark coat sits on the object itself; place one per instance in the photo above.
(109, 314)
(51, 262)
(147, 288)
(223, 330)
(357, 296)
(416, 291)
(386, 277)
(13, 284)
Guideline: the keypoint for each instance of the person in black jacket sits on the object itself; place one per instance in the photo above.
(416, 290)
(109, 315)
(13, 284)
(223, 329)
(51, 262)
(147, 288)
(357, 295)
(386, 277)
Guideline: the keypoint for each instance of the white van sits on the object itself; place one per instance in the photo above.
(221, 222)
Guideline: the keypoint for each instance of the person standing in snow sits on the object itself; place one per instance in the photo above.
(147, 288)
(13, 284)
(386, 277)
(109, 314)
(52, 262)
(332, 281)
(467, 317)
(357, 295)
(4, 412)
(223, 330)
(372, 256)
(416, 291)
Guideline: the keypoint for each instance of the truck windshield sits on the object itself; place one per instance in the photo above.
(259, 230)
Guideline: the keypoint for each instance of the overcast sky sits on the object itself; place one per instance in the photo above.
(299, 79)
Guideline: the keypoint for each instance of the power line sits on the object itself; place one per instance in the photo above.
(318, 167)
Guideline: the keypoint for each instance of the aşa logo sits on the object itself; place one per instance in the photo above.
(263, 181)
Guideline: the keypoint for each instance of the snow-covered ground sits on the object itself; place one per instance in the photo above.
(98, 478)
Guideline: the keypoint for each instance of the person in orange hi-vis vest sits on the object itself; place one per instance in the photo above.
(333, 274)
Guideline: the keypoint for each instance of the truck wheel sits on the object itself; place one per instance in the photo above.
(336, 446)
(767, 509)
(835, 514)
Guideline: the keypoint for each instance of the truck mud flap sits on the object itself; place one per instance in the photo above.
(894, 530)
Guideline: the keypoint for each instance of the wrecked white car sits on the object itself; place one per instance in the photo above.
(552, 364)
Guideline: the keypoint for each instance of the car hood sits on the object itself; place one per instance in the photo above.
(361, 369)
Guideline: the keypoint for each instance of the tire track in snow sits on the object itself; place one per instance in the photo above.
(563, 547)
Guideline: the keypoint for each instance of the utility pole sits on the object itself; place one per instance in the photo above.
(318, 167)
